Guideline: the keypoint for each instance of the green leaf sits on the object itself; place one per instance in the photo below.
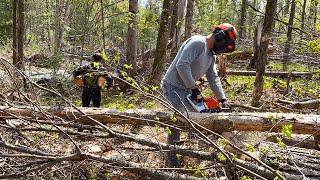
(179, 156)
(154, 88)
(168, 131)
(128, 66)
(223, 142)
(246, 178)
(251, 148)
(221, 157)
(173, 118)
(280, 142)
(287, 130)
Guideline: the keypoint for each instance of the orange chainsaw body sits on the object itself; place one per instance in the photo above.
(212, 102)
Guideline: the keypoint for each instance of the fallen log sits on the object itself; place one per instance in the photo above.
(219, 122)
(271, 74)
(297, 140)
(299, 163)
(304, 104)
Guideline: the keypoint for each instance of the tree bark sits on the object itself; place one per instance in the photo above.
(262, 54)
(20, 34)
(58, 26)
(189, 17)
(132, 37)
(14, 32)
(220, 122)
(289, 36)
(242, 20)
(102, 22)
(256, 45)
(162, 40)
(303, 18)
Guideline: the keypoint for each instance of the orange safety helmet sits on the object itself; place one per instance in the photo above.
(232, 31)
(225, 36)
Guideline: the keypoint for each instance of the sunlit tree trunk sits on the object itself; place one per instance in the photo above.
(262, 54)
(289, 36)
(162, 40)
(188, 21)
(181, 15)
(132, 37)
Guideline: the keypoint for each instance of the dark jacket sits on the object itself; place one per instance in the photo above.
(91, 74)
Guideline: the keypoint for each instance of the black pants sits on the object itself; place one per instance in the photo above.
(89, 94)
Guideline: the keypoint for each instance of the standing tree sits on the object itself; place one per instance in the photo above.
(102, 21)
(242, 20)
(289, 36)
(262, 51)
(162, 40)
(132, 37)
(58, 26)
(303, 17)
(18, 34)
(188, 21)
(14, 32)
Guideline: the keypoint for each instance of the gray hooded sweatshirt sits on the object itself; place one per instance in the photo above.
(193, 60)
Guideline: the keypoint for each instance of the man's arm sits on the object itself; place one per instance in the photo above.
(215, 83)
(191, 51)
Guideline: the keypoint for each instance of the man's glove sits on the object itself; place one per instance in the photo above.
(225, 105)
(196, 95)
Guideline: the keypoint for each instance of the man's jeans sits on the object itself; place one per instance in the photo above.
(177, 97)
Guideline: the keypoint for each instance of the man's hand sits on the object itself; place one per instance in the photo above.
(196, 95)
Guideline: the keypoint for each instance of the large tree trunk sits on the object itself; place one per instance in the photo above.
(132, 37)
(289, 36)
(188, 22)
(242, 20)
(262, 54)
(162, 40)
(220, 122)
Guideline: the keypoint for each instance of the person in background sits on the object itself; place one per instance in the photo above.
(195, 58)
(92, 80)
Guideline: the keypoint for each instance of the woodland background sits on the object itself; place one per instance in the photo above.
(271, 80)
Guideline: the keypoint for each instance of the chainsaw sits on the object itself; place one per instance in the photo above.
(207, 105)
